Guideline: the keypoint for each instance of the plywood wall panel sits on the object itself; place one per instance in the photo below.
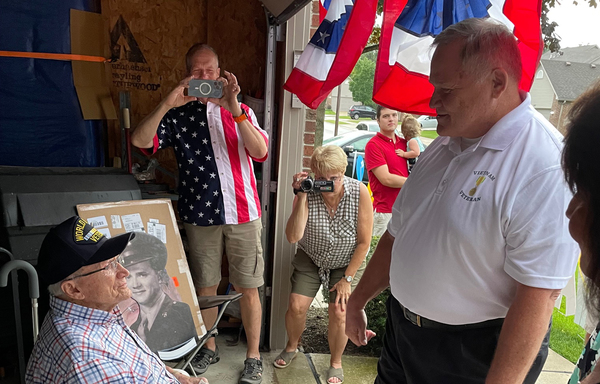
(150, 39)
(237, 30)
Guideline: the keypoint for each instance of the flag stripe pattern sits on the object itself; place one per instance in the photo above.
(409, 27)
(323, 7)
(217, 183)
(333, 50)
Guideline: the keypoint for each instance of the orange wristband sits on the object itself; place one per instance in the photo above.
(241, 117)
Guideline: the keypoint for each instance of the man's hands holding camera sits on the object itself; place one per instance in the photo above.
(177, 97)
(231, 89)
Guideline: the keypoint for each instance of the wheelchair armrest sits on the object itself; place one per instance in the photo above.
(206, 302)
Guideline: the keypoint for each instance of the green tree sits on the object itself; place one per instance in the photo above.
(361, 81)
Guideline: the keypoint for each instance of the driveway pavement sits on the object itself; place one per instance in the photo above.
(311, 368)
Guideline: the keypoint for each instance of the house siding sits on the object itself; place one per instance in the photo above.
(542, 93)
(346, 100)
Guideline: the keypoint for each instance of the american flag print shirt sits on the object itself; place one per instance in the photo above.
(78, 344)
(217, 184)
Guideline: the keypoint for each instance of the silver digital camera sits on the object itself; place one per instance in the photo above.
(205, 88)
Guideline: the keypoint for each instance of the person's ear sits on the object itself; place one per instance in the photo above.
(71, 290)
(218, 71)
(499, 82)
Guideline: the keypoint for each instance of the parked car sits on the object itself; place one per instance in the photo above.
(427, 122)
(357, 111)
(370, 126)
(353, 143)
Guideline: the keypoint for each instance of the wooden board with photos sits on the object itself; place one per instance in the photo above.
(163, 309)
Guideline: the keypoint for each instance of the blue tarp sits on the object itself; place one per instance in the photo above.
(41, 123)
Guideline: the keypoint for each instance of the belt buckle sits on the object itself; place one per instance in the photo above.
(407, 317)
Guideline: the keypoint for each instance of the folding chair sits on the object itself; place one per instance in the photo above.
(186, 352)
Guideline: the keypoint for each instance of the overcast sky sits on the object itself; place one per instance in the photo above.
(577, 24)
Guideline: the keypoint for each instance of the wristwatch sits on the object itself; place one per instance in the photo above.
(348, 278)
(242, 117)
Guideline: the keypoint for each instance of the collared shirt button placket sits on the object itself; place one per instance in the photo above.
(442, 186)
(449, 170)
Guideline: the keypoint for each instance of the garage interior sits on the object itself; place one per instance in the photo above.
(63, 128)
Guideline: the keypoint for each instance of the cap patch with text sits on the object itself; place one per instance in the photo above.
(84, 233)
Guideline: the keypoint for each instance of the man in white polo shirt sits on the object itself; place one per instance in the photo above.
(478, 247)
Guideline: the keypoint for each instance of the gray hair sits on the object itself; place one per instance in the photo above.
(56, 289)
(487, 44)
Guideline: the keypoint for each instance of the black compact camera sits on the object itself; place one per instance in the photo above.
(205, 88)
(319, 186)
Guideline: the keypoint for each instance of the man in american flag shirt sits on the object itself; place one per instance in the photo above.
(215, 142)
(84, 338)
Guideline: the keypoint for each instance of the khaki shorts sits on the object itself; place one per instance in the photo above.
(305, 278)
(241, 243)
(380, 223)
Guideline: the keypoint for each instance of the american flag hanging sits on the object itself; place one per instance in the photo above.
(409, 27)
(333, 50)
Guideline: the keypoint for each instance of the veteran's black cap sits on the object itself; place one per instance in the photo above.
(73, 244)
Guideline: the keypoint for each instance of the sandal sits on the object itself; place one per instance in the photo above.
(203, 359)
(338, 373)
(285, 356)
(252, 373)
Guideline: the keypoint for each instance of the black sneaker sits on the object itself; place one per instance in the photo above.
(252, 373)
(203, 359)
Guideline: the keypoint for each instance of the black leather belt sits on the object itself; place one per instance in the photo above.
(423, 322)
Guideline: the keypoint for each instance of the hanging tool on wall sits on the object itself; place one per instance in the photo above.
(125, 119)
(127, 126)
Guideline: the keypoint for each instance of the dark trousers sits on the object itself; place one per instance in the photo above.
(415, 355)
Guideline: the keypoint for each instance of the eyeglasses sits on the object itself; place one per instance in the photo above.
(332, 178)
(110, 267)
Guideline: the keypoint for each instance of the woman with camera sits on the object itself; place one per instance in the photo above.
(333, 232)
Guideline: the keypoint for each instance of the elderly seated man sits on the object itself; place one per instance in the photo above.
(84, 337)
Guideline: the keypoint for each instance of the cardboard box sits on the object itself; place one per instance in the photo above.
(154, 217)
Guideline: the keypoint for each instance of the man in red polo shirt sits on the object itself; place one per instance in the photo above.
(387, 170)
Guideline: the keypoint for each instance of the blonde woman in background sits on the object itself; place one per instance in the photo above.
(333, 232)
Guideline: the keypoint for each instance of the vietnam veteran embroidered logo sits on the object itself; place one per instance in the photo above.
(480, 178)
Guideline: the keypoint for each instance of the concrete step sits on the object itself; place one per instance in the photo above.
(357, 369)
(557, 369)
